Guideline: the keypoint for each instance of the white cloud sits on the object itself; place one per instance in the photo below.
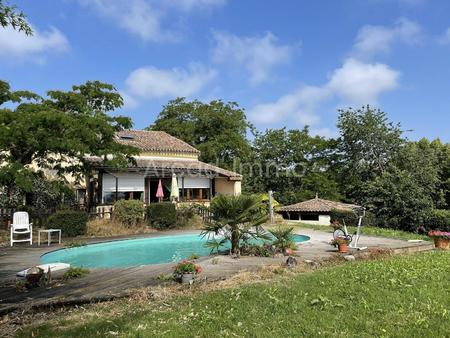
(360, 83)
(17, 44)
(258, 55)
(372, 40)
(188, 5)
(444, 39)
(150, 82)
(145, 18)
(354, 82)
(298, 105)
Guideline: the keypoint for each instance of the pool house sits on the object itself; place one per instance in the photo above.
(314, 211)
(162, 158)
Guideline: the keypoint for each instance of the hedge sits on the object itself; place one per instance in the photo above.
(71, 222)
(129, 212)
(351, 218)
(438, 219)
(162, 215)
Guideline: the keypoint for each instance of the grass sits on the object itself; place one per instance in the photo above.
(367, 230)
(401, 296)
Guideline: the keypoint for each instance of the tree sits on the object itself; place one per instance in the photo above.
(10, 16)
(367, 144)
(236, 216)
(56, 133)
(293, 164)
(397, 200)
(217, 129)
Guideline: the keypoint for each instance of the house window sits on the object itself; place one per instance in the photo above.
(110, 197)
(196, 194)
(310, 217)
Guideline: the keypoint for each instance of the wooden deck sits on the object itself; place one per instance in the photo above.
(106, 284)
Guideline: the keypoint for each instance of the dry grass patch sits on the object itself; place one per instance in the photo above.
(109, 227)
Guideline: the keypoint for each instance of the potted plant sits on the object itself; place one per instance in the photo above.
(441, 239)
(341, 243)
(185, 271)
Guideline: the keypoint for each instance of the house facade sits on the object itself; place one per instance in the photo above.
(161, 158)
(314, 211)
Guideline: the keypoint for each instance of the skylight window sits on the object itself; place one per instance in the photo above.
(127, 137)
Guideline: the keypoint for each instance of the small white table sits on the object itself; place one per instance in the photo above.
(49, 235)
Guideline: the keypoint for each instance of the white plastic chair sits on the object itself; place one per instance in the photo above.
(21, 225)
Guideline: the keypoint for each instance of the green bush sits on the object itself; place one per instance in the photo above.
(71, 222)
(129, 212)
(351, 218)
(162, 215)
(438, 219)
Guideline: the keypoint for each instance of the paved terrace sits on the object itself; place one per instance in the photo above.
(106, 284)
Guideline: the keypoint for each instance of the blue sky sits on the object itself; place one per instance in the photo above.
(288, 63)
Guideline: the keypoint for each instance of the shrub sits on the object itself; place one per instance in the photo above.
(438, 219)
(284, 238)
(162, 215)
(187, 217)
(129, 212)
(71, 222)
(351, 218)
(75, 272)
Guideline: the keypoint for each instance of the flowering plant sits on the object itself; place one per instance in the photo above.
(340, 240)
(185, 267)
(439, 234)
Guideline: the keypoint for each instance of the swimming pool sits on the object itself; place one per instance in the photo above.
(135, 252)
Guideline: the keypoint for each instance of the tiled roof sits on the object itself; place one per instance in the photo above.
(166, 167)
(158, 141)
(318, 205)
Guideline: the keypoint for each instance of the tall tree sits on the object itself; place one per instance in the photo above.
(11, 16)
(368, 142)
(293, 164)
(217, 129)
(57, 132)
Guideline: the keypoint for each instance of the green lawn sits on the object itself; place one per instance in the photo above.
(367, 230)
(402, 296)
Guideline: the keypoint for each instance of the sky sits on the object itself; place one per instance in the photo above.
(287, 63)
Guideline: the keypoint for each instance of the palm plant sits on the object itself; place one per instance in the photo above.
(284, 238)
(236, 218)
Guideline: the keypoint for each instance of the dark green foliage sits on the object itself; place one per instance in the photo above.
(187, 216)
(71, 222)
(129, 212)
(75, 272)
(351, 218)
(11, 16)
(162, 215)
(258, 250)
(238, 217)
(438, 220)
(217, 129)
(368, 142)
(284, 238)
(292, 163)
(57, 131)
(398, 201)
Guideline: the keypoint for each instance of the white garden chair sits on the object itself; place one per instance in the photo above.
(21, 225)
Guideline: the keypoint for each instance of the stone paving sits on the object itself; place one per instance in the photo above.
(103, 284)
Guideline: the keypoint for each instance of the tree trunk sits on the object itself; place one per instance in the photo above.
(235, 242)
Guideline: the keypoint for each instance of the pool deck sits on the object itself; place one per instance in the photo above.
(105, 284)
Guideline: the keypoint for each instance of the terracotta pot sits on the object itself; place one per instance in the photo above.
(343, 248)
(187, 278)
(442, 243)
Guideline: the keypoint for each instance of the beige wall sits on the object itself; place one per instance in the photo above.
(226, 187)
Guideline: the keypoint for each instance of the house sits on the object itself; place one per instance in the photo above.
(161, 156)
(314, 211)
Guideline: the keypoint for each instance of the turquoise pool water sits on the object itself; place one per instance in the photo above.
(134, 252)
